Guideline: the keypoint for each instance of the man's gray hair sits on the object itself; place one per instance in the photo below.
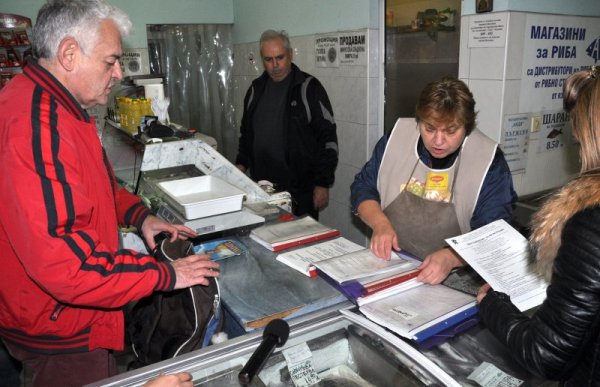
(79, 19)
(272, 34)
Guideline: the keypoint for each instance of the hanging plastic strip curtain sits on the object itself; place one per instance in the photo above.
(196, 61)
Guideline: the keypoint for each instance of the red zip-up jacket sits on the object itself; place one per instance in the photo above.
(63, 279)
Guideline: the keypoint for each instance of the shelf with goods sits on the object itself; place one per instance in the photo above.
(15, 33)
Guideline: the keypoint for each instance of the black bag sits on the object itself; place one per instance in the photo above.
(165, 325)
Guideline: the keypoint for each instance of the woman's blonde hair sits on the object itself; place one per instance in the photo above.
(581, 99)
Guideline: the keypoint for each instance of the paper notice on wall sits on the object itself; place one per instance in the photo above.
(555, 131)
(555, 47)
(515, 141)
(487, 30)
(327, 50)
(353, 48)
(134, 61)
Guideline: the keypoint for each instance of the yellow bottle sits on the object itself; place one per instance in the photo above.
(148, 107)
(125, 112)
(135, 116)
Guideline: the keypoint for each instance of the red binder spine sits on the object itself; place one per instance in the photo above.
(310, 239)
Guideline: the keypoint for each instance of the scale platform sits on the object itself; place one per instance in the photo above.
(211, 224)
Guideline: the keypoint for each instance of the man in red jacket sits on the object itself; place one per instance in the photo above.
(64, 279)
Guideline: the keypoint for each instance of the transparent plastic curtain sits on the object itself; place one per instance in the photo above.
(196, 61)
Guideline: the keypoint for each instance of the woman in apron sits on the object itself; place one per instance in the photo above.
(433, 177)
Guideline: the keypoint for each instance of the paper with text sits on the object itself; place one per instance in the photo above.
(283, 235)
(362, 264)
(300, 365)
(303, 259)
(284, 231)
(500, 254)
(416, 309)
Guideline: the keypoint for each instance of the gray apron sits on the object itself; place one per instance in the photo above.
(421, 225)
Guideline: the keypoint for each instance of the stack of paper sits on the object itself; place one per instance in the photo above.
(283, 235)
(420, 311)
(303, 259)
(365, 266)
(497, 251)
(388, 293)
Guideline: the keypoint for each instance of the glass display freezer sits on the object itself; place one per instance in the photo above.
(342, 348)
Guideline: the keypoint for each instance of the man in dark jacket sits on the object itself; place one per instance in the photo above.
(288, 133)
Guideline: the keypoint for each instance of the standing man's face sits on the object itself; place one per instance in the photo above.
(276, 59)
(96, 73)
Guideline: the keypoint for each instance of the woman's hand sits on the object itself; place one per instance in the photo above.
(384, 239)
(483, 291)
(436, 266)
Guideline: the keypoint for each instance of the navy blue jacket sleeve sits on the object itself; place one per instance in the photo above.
(497, 194)
(364, 186)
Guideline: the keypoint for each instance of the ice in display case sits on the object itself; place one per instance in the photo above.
(347, 350)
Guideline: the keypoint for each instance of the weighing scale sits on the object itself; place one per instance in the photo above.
(211, 224)
(143, 165)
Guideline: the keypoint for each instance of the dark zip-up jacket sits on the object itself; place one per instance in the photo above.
(310, 135)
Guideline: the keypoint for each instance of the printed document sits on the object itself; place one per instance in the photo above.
(413, 311)
(500, 254)
(303, 259)
(362, 264)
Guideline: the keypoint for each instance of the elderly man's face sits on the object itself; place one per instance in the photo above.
(276, 59)
(98, 70)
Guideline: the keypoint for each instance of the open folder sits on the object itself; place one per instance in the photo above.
(388, 293)
(418, 311)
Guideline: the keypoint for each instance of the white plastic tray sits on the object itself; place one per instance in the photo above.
(202, 196)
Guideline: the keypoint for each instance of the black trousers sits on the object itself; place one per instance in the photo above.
(303, 204)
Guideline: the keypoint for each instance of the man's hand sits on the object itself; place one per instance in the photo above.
(153, 226)
(181, 379)
(194, 270)
(241, 167)
(320, 197)
(436, 267)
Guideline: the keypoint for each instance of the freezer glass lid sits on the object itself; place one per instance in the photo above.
(346, 350)
(341, 350)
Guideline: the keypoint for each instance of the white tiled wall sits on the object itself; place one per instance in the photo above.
(354, 95)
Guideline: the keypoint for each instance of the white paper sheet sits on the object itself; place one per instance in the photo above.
(362, 264)
(500, 254)
(411, 311)
(303, 259)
